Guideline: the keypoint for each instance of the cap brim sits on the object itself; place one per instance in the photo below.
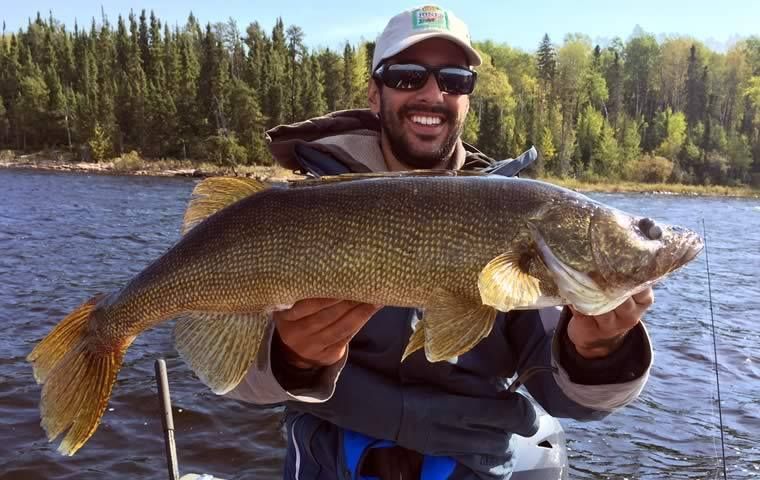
(473, 58)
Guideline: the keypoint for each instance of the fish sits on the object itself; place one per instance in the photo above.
(461, 247)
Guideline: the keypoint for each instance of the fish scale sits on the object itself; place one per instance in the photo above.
(460, 247)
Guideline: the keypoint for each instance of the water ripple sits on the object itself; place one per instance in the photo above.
(65, 237)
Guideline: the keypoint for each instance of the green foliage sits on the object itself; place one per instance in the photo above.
(99, 143)
(195, 90)
(652, 169)
(224, 150)
(546, 59)
(4, 123)
(546, 149)
(675, 135)
(471, 128)
(607, 155)
(128, 162)
(752, 91)
(739, 157)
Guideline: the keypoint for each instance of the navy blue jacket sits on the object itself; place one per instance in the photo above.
(461, 413)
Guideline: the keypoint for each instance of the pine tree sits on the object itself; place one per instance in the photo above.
(295, 74)
(275, 77)
(31, 107)
(333, 84)
(257, 45)
(143, 43)
(247, 121)
(212, 82)
(313, 93)
(546, 58)
(696, 99)
(188, 116)
(4, 124)
(614, 79)
(349, 81)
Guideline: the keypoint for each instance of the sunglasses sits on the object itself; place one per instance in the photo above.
(411, 76)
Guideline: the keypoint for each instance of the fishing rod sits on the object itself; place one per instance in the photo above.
(167, 420)
(715, 351)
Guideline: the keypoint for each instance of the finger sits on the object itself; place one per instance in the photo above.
(304, 308)
(310, 326)
(583, 320)
(630, 312)
(644, 297)
(329, 344)
(330, 356)
(345, 328)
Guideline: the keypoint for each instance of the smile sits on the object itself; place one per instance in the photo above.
(426, 120)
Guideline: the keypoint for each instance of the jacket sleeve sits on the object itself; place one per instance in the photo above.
(262, 387)
(563, 382)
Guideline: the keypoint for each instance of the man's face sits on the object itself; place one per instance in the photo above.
(421, 127)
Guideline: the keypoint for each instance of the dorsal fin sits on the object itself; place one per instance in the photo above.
(347, 177)
(216, 193)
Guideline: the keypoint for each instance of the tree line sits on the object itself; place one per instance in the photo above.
(643, 109)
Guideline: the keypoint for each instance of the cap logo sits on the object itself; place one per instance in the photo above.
(430, 18)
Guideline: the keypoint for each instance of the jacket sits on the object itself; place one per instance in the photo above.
(462, 413)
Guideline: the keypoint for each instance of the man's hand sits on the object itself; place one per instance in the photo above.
(316, 332)
(598, 336)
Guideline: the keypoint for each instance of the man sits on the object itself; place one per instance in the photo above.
(354, 410)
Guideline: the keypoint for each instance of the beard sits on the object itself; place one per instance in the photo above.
(392, 127)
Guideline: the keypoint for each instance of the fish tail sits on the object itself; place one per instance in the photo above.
(77, 375)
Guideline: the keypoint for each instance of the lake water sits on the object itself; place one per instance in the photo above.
(65, 237)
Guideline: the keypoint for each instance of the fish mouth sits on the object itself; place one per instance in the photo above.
(688, 249)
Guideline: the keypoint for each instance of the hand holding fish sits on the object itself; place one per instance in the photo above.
(316, 332)
(599, 335)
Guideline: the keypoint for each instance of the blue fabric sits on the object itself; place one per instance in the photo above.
(356, 444)
(437, 468)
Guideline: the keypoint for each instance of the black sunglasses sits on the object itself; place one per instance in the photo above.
(411, 76)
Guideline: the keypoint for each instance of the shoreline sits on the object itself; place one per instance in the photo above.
(192, 169)
(137, 166)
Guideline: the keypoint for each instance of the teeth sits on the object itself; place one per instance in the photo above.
(423, 120)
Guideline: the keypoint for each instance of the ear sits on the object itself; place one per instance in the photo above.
(373, 96)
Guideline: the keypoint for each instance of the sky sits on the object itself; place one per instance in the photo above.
(520, 24)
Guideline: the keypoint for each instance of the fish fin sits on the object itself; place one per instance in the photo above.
(454, 325)
(347, 177)
(220, 347)
(77, 377)
(214, 194)
(416, 340)
(504, 284)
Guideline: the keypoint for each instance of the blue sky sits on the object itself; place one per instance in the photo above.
(518, 23)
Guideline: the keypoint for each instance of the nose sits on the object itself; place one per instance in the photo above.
(430, 92)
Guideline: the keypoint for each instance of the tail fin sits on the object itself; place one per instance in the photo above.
(77, 377)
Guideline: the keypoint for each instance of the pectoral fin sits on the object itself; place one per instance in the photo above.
(416, 340)
(453, 325)
(504, 284)
(220, 347)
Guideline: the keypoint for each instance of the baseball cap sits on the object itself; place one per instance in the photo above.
(413, 26)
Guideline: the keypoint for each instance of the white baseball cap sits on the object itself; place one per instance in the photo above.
(413, 26)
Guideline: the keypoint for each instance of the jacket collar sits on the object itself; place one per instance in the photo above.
(351, 136)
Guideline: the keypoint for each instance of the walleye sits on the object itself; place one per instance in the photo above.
(461, 247)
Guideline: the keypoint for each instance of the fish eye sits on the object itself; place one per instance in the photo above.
(650, 229)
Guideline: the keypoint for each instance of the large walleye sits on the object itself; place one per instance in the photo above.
(462, 247)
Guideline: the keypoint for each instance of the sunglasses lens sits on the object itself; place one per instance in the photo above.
(458, 81)
(405, 77)
(409, 76)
